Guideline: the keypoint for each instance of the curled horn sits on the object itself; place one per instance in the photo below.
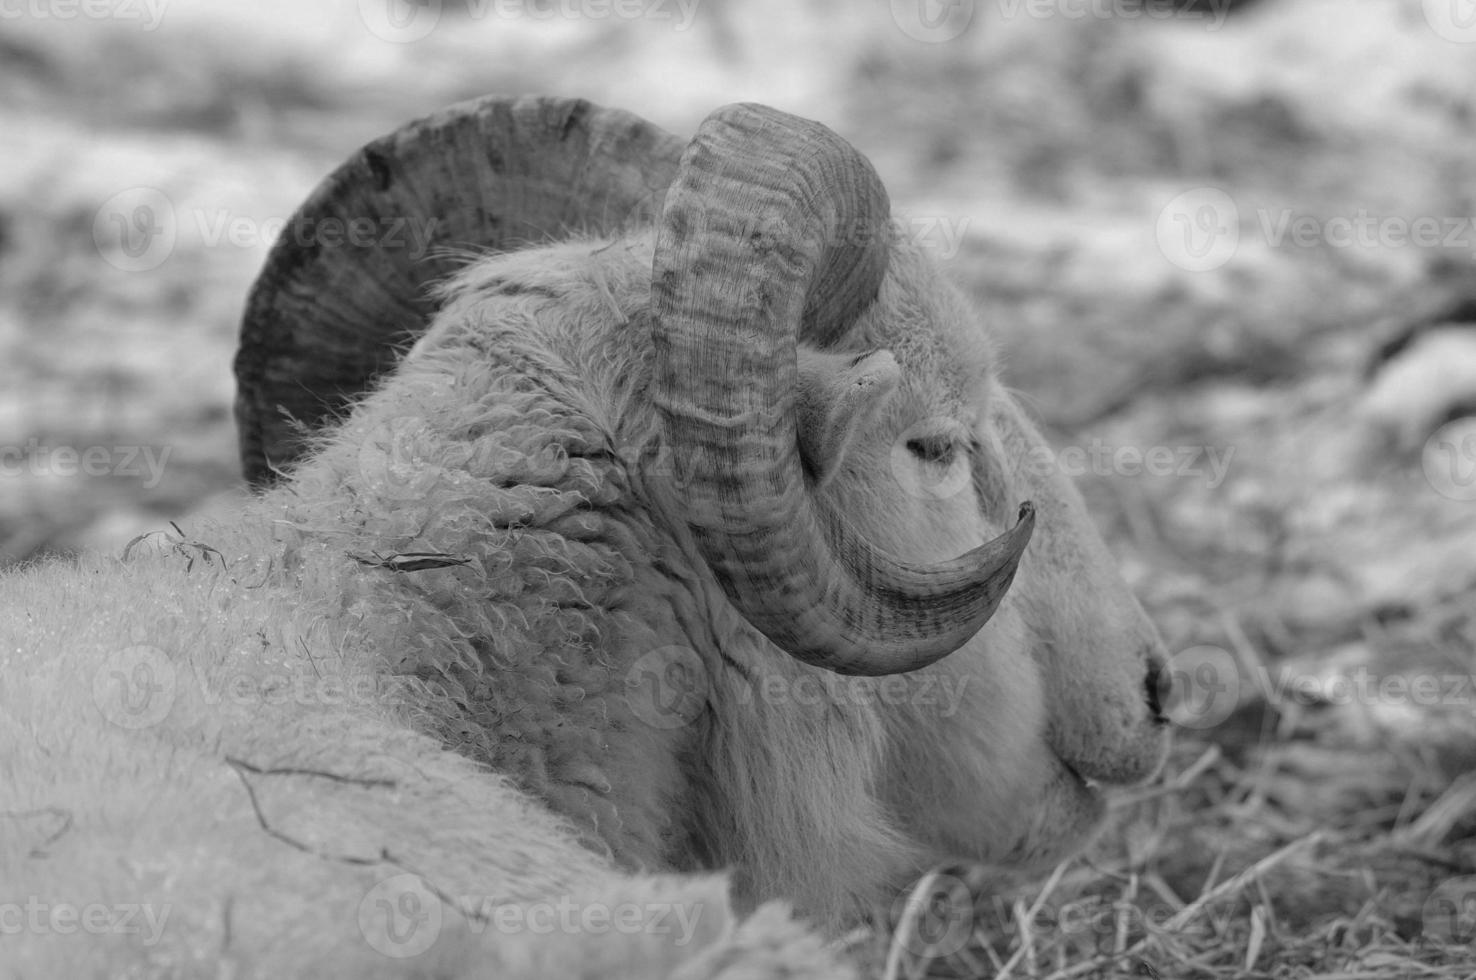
(776, 231)
(344, 289)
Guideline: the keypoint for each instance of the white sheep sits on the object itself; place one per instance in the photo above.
(622, 614)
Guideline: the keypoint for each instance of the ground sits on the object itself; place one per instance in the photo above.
(1200, 242)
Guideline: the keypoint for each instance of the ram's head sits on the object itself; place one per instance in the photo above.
(812, 417)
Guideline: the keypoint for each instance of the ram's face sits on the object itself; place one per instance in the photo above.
(1061, 686)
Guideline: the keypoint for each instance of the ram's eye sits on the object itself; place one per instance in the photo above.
(936, 451)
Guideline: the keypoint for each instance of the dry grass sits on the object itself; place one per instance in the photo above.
(1299, 860)
(1300, 831)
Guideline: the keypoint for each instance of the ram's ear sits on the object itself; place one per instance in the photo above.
(838, 396)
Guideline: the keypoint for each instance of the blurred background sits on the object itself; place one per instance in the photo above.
(1226, 248)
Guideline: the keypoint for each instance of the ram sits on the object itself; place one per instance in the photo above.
(628, 593)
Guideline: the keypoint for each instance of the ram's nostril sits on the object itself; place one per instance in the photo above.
(1158, 686)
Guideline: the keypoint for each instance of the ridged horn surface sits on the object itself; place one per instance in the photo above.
(776, 231)
(344, 289)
